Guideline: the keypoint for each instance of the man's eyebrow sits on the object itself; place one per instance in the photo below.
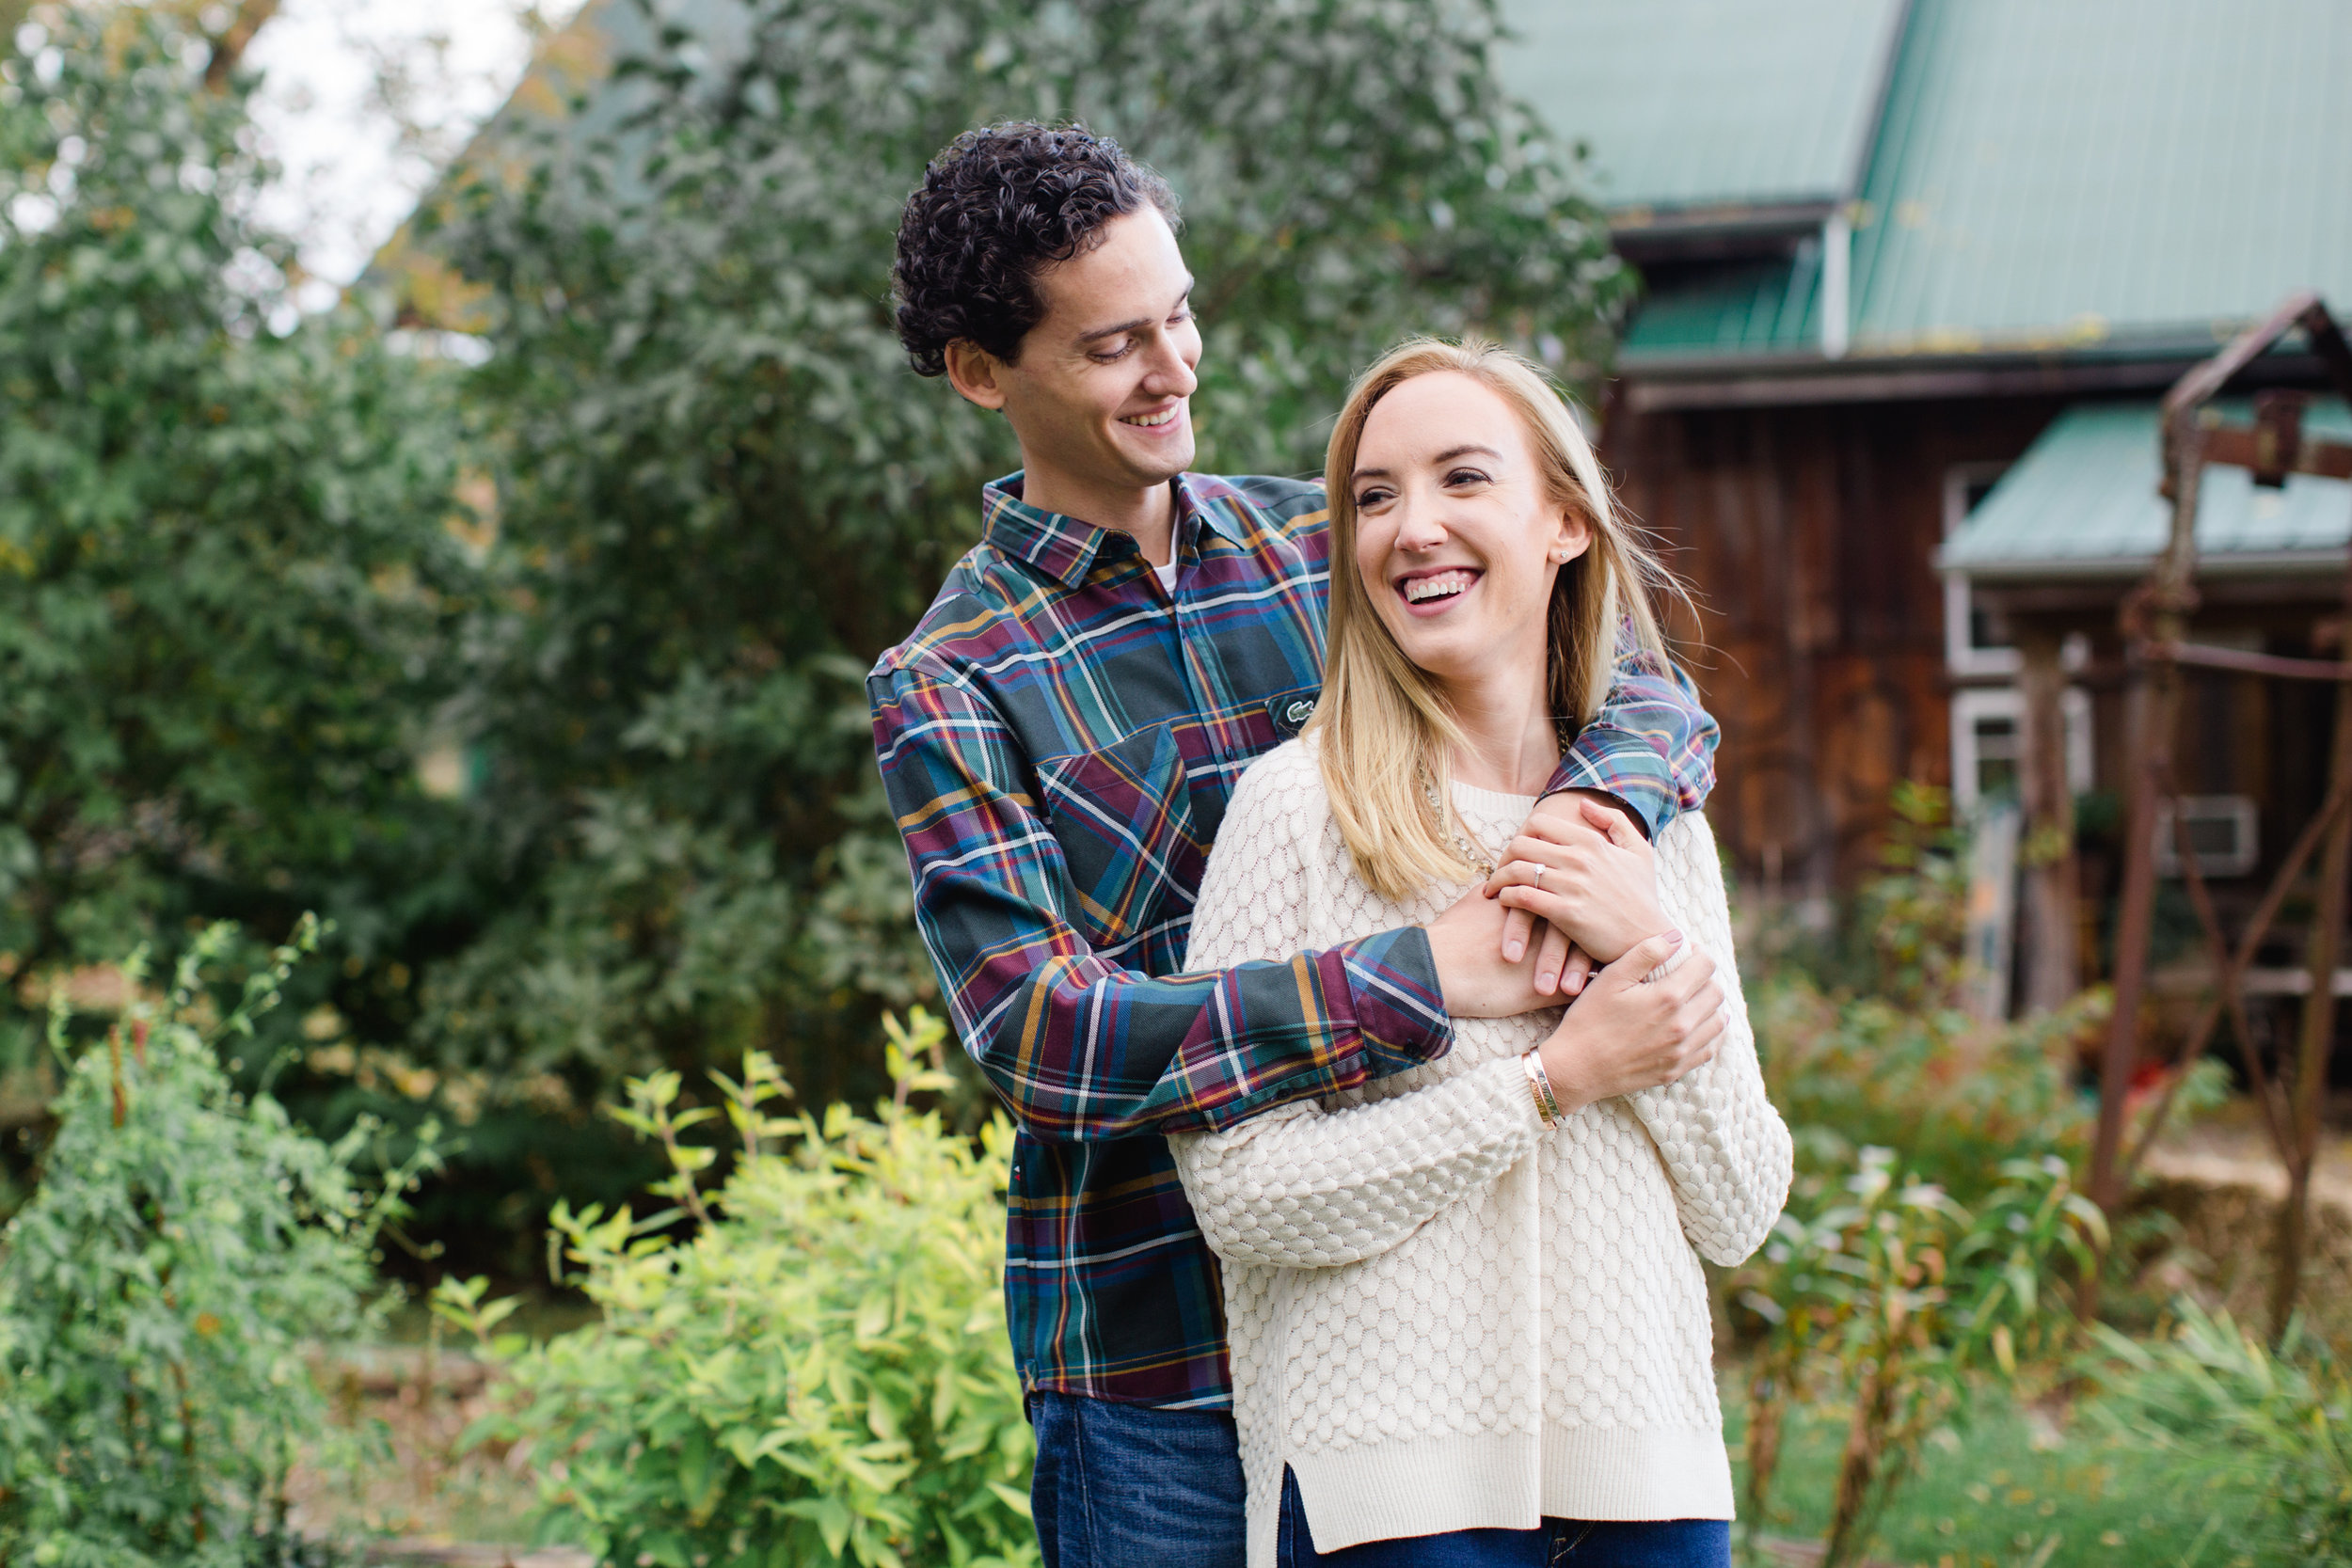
(1446, 456)
(1137, 325)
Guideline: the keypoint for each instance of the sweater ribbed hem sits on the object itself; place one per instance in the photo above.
(1636, 1473)
(1430, 1485)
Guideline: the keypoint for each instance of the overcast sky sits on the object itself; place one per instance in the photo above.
(361, 100)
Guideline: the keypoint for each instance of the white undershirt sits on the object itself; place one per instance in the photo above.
(1168, 578)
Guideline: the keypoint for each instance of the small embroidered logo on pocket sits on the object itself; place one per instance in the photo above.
(1290, 714)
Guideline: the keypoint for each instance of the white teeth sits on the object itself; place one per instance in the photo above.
(1151, 421)
(1436, 587)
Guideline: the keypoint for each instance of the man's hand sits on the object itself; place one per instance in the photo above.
(1466, 941)
(1585, 871)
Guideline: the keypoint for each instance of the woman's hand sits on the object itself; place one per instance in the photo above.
(1589, 874)
(1627, 1032)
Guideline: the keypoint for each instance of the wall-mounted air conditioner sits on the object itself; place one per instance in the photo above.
(2221, 834)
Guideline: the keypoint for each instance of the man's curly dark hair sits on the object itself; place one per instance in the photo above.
(999, 205)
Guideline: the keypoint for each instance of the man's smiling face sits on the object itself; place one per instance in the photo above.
(1101, 395)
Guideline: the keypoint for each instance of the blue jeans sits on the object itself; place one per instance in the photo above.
(1128, 1486)
(1554, 1544)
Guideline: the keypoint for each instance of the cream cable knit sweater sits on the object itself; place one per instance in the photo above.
(1443, 1316)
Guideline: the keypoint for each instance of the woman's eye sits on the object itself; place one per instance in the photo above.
(1371, 498)
(1466, 476)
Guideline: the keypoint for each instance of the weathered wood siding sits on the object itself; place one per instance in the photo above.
(1807, 535)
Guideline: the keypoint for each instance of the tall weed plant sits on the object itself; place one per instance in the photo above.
(186, 1246)
(805, 1364)
(1935, 1217)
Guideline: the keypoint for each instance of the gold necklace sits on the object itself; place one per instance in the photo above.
(1483, 861)
(1450, 820)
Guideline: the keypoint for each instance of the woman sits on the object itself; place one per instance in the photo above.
(1467, 1319)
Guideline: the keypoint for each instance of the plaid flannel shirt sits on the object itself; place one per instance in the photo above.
(1058, 738)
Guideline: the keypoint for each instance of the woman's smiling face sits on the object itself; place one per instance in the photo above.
(1456, 541)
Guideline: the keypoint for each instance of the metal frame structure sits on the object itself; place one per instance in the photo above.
(2155, 623)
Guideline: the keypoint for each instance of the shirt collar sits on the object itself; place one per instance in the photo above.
(1065, 549)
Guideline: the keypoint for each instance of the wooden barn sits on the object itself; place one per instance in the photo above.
(1916, 274)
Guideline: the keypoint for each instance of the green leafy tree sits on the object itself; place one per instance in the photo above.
(226, 577)
(818, 1374)
(722, 491)
(157, 1294)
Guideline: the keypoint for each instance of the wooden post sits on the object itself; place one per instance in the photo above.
(2154, 706)
(2312, 1046)
(2052, 960)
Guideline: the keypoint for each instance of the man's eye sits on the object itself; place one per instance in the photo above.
(1106, 356)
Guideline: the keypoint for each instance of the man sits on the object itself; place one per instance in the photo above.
(1058, 738)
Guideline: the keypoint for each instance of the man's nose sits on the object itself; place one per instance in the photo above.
(1167, 375)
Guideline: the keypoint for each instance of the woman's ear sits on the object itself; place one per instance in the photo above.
(977, 374)
(1571, 538)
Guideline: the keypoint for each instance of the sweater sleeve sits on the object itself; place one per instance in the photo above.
(1726, 1150)
(1301, 1186)
(1306, 1188)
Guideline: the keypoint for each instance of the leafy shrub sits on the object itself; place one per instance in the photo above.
(1879, 1052)
(1898, 1294)
(2277, 1424)
(157, 1292)
(819, 1373)
(1933, 1214)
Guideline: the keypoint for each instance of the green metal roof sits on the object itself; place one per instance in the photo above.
(2084, 176)
(2083, 501)
(1708, 102)
(1757, 308)
(2056, 173)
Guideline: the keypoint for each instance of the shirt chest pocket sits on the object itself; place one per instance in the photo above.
(1124, 819)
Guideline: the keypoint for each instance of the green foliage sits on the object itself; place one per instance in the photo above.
(1914, 912)
(157, 1294)
(722, 491)
(225, 578)
(1899, 1293)
(1957, 1097)
(2273, 1425)
(817, 1373)
(1933, 1216)
(1889, 1058)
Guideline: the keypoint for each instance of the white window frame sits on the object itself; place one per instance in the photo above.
(2006, 701)
(1961, 655)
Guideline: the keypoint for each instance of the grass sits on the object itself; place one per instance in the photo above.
(2006, 1489)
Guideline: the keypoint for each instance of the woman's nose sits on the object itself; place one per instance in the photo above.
(1421, 529)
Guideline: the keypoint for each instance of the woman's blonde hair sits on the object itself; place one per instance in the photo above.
(1384, 736)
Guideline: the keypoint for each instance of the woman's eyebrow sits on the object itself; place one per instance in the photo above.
(1446, 456)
